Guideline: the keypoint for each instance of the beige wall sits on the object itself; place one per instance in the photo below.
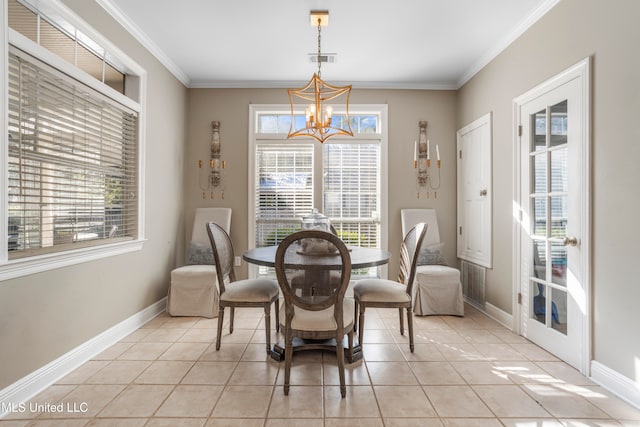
(573, 30)
(43, 316)
(405, 109)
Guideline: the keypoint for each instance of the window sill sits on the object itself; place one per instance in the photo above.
(24, 267)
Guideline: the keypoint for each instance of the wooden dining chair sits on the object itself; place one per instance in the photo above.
(239, 293)
(383, 293)
(321, 313)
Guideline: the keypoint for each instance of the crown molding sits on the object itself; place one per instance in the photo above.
(260, 84)
(144, 40)
(499, 47)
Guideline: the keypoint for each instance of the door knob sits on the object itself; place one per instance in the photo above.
(483, 192)
(569, 241)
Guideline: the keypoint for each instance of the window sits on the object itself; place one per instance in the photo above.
(73, 149)
(344, 177)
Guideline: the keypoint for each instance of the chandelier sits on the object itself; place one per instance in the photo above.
(319, 122)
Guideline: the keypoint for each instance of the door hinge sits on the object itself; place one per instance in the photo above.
(461, 230)
(519, 298)
(519, 130)
(460, 154)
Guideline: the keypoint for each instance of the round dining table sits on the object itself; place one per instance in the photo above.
(360, 258)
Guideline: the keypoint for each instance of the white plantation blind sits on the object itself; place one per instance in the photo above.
(352, 191)
(284, 189)
(72, 162)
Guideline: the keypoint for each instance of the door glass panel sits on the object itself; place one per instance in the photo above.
(539, 125)
(539, 217)
(559, 264)
(539, 259)
(559, 178)
(559, 310)
(538, 302)
(558, 216)
(559, 124)
(539, 173)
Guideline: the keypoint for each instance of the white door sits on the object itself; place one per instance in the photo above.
(554, 217)
(475, 192)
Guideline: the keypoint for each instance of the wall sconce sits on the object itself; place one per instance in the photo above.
(212, 179)
(422, 163)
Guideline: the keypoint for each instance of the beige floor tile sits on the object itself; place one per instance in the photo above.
(481, 373)
(521, 372)
(440, 337)
(562, 402)
(176, 422)
(354, 374)
(413, 422)
(165, 335)
(423, 353)
(58, 423)
(233, 402)
(302, 402)
(611, 404)
(391, 373)
(184, 351)
(360, 402)
(520, 422)
(211, 373)
(382, 353)
(117, 422)
(31, 408)
(293, 422)
(480, 336)
(475, 422)
(201, 335)
(499, 352)
(145, 351)
(114, 351)
(436, 373)
(509, 401)
(181, 322)
(565, 373)
(137, 401)
(462, 351)
(533, 352)
(255, 373)
(229, 352)
(253, 353)
(351, 422)
(564, 422)
(164, 372)
(403, 402)
(119, 372)
(378, 336)
(84, 372)
(425, 323)
(190, 401)
(509, 337)
(90, 397)
(456, 401)
(235, 422)
(136, 336)
(302, 373)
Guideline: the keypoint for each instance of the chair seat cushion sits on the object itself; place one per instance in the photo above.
(322, 320)
(380, 290)
(437, 273)
(251, 290)
(193, 270)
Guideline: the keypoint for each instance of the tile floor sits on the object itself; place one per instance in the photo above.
(467, 371)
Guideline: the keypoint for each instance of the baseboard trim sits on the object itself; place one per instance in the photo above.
(500, 316)
(623, 387)
(32, 384)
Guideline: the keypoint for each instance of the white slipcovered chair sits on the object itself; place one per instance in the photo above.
(192, 291)
(438, 290)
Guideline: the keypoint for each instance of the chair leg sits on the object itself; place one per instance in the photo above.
(231, 313)
(351, 345)
(220, 321)
(340, 357)
(355, 314)
(288, 355)
(410, 324)
(361, 326)
(267, 325)
(278, 315)
(401, 322)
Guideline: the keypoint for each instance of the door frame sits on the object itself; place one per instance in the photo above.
(581, 71)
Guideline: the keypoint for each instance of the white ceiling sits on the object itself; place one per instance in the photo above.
(412, 44)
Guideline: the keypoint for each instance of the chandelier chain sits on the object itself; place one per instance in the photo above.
(318, 59)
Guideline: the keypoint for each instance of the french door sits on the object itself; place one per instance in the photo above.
(554, 218)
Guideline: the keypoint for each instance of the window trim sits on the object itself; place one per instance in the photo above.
(381, 135)
(136, 100)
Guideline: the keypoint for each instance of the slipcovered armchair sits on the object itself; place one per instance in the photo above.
(438, 290)
(192, 291)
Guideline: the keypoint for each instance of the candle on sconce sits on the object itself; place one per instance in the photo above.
(428, 150)
(437, 153)
(415, 154)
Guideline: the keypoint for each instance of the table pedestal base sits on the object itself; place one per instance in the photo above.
(299, 344)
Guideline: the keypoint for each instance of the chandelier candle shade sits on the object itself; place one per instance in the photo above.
(319, 123)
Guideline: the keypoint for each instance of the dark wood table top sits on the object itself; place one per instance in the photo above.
(360, 258)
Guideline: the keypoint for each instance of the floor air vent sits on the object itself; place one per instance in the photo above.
(473, 282)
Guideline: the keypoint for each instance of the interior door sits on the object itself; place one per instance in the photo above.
(554, 223)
